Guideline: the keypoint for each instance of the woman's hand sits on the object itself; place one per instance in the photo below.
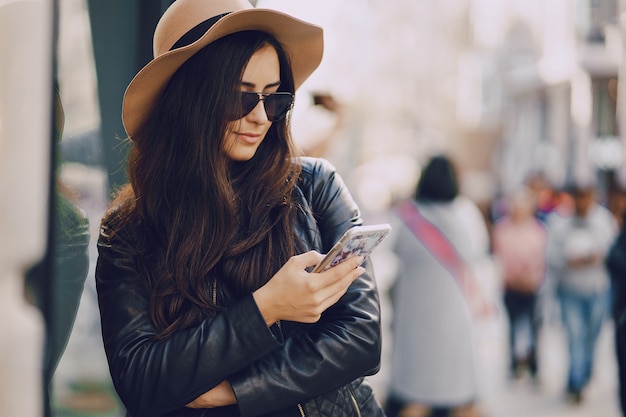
(296, 295)
(218, 396)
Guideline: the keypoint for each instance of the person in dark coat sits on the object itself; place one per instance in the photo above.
(616, 264)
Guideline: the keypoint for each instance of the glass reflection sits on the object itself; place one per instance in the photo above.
(80, 383)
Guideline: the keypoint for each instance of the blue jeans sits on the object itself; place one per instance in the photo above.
(583, 316)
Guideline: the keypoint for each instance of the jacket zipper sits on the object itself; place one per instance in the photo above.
(356, 405)
(301, 410)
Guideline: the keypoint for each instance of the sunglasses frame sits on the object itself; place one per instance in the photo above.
(263, 97)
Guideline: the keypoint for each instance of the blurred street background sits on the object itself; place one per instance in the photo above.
(507, 87)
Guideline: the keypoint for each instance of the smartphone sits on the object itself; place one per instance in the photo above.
(356, 241)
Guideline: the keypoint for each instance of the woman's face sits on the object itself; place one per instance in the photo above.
(261, 75)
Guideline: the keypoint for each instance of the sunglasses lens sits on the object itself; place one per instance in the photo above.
(277, 105)
(248, 102)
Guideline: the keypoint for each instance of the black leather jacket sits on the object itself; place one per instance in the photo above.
(295, 369)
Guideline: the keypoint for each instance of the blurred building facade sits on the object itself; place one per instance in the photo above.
(508, 87)
(560, 64)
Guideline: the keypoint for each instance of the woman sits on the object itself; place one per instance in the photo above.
(519, 246)
(207, 305)
(440, 235)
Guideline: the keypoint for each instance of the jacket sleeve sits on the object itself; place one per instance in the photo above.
(344, 345)
(71, 266)
(151, 377)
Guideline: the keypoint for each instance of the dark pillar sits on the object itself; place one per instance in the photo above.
(122, 43)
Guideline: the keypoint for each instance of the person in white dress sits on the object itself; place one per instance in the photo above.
(433, 368)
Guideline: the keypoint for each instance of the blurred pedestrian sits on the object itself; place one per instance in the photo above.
(439, 235)
(316, 128)
(577, 247)
(616, 264)
(519, 246)
(549, 200)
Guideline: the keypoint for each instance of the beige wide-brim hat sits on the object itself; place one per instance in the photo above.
(210, 20)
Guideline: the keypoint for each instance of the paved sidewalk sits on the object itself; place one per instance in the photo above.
(521, 398)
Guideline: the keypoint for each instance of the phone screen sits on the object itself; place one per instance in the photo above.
(357, 241)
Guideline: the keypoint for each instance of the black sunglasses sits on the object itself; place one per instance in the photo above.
(276, 104)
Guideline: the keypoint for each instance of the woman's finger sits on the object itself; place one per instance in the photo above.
(307, 259)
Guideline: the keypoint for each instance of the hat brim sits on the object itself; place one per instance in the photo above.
(302, 41)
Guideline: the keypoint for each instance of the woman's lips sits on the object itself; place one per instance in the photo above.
(250, 138)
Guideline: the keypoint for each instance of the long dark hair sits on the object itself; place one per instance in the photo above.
(438, 181)
(202, 216)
